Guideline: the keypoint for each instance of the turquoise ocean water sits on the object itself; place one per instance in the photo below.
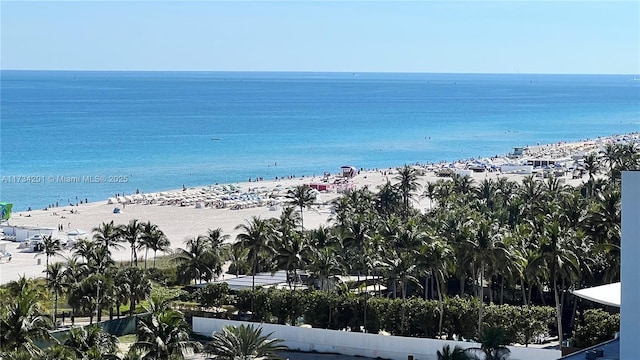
(68, 134)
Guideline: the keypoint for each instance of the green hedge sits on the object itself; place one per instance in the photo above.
(594, 327)
(411, 317)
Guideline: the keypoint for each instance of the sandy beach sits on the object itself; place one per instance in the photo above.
(197, 213)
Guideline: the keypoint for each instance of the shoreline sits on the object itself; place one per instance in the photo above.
(128, 187)
(185, 213)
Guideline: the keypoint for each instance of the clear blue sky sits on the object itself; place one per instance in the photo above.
(418, 36)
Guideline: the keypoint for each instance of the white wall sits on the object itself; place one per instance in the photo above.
(630, 266)
(359, 344)
(24, 233)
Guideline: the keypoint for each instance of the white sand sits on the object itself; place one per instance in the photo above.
(181, 223)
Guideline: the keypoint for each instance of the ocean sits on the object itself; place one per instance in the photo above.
(67, 136)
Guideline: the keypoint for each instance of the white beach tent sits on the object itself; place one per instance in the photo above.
(77, 232)
(74, 235)
(605, 294)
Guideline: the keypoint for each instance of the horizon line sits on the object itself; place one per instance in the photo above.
(317, 72)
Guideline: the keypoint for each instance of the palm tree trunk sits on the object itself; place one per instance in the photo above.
(433, 290)
(366, 294)
(426, 283)
(146, 252)
(475, 274)
(558, 310)
(491, 290)
(480, 297)
(55, 311)
(329, 324)
(253, 283)
(563, 293)
(154, 258)
(395, 289)
(440, 306)
(404, 290)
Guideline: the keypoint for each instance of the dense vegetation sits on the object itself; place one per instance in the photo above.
(500, 242)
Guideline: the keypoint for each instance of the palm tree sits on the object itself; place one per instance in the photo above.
(487, 192)
(91, 342)
(292, 253)
(409, 235)
(437, 255)
(21, 354)
(216, 238)
(401, 269)
(83, 249)
(492, 345)
(165, 335)
(324, 263)
(255, 236)
(487, 247)
(153, 238)
(108, 235)
(462, 185)
(557, 256)
(138, 286)
(218, 249)
(407, 186)
(73, 273)
(430, 192)
(457, 227)
(531, 193)
(612, 154)
(121, 293)
(603, 224)
(147, 228)
(193, 262)
(322, 236)
(23, 320)
(448, 354)
(302, 196)
(243, 342)
(55, 352)
(131, 233)
(238, 260)
(99, 260)
(52, 247)
(57, 284)
(355, 237)
(388, 200)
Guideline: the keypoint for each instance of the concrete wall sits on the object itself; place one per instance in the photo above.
(630, 266)
(359, 344)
